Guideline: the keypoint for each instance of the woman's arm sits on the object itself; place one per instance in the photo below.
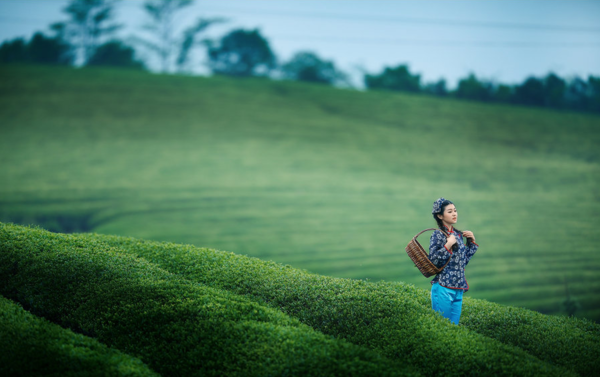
(438, 252)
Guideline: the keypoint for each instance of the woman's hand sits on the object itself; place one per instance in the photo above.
(450, 241)
(469, 234)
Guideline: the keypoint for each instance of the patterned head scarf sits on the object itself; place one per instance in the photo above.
(437, 205)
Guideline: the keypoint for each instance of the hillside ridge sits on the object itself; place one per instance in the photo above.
(327, 180)
(392, 319)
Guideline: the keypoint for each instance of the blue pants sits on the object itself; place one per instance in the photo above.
(447, 301)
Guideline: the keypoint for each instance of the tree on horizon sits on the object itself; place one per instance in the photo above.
(40, 49)
(241, 53)
(172, 48)
(307, 66)
(394, 78)
(115, 53)
(90, 21)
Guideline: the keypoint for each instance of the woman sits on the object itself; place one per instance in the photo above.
(448, 286)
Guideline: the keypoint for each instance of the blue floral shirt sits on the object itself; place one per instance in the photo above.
(453, 275)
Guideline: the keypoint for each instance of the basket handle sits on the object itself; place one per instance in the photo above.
(445, 234)
(423, 231)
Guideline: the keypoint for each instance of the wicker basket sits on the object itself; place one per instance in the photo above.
(419, 256)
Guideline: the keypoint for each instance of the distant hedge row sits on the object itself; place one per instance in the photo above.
(175, 326)
(392, 318)
(32, 346)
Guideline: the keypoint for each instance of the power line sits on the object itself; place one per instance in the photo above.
(20, 20)
(414, 20)
(431, 42)
(406, 42)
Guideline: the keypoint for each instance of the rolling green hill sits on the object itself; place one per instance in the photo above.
(332, 181)
(31, 346)
(184, 310)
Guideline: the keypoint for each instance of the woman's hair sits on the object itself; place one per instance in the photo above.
(438, 209)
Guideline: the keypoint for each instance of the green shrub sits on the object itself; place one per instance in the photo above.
(32, 346)
(388, 317)
(394, 319)
(176, 326)
(570, 342)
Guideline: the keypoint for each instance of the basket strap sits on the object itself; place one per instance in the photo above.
(445, 234)
(423, 231)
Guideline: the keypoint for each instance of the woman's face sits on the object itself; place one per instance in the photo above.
(450, 215)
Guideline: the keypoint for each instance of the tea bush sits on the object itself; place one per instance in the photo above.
(392, 318)
(570, 342)
(32, 346)
(175, 326)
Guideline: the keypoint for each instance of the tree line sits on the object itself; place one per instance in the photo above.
(87, 38)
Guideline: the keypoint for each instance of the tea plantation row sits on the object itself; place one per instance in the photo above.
(393, 318)
(32, 346)
(191, 311)
(175, 326)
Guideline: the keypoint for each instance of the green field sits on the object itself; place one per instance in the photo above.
(180, 310)
(332, 181)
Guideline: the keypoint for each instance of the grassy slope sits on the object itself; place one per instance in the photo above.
(393, 318)
(98, 284)
(176, 326)
(332, 181)
(31, 346)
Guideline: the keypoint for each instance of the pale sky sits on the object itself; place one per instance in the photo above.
(501, 40)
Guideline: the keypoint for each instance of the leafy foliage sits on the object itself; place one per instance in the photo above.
(40, 49)
(118, 290)
(89, 22)
(241, 53)
(115, 53)
(396, 78)
(307, 66)
(32, 346)
(471, 88)
(393, 318)
(176, 326)
(560, 340)
(44, 268)
(551, 91)
(172, 50)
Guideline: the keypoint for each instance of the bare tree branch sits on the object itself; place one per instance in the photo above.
(90, 21)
